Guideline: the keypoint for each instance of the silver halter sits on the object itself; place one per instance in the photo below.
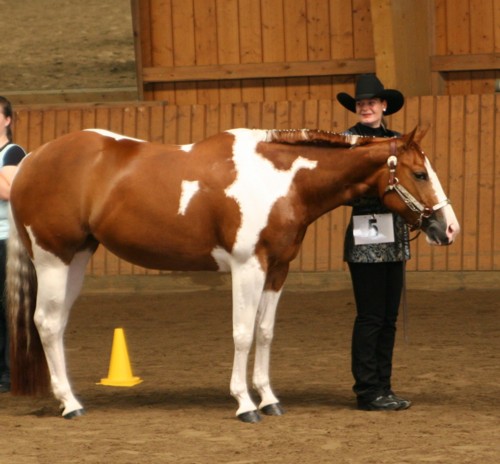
(410, 201)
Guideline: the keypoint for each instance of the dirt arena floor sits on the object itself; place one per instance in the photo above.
(53, 45)
(180, 345)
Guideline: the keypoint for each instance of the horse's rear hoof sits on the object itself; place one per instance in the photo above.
(273, 410)
(250, 417)
(75, 413)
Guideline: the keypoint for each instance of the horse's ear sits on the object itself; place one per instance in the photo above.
(416, 135)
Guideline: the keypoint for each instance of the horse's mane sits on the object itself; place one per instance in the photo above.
(315, 137)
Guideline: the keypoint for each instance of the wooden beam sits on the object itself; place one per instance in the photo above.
(136, 30)
(257, 70)
(401, 41)
(474, 62)
(95, 96)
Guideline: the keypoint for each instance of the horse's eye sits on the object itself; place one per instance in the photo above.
(421, 175)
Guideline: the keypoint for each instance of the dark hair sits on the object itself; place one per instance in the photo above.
(6, 109)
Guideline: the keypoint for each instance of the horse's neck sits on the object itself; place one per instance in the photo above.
(340, 178)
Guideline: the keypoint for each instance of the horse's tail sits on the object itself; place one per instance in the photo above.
(29, 373)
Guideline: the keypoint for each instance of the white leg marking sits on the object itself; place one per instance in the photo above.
(58, 287)
(247, 283)
(264, 337)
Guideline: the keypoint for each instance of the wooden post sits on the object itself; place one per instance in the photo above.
(401, 37)
(139, 64)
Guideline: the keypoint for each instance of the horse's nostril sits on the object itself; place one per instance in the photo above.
(453, 229)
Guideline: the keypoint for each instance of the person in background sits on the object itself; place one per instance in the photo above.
(376, 247)
(10, 156)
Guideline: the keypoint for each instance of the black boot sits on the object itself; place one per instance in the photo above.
(381, 403)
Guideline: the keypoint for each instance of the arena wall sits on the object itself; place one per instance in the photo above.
(232, 51)
(462, 142)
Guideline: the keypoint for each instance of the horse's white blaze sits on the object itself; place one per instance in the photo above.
(113, 135)
(257, 186)
(188, 190)
(452, 225)
(436, 185)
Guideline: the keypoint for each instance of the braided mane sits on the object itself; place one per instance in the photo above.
(315, 137)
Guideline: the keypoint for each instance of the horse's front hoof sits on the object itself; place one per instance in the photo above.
(250, 417)
(75, 413)
(273, 410)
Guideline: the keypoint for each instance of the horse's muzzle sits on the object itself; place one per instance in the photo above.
(438, 230)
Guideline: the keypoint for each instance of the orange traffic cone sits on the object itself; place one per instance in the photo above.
(120, 372)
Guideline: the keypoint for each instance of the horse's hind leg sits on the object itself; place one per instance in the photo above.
(58, 287)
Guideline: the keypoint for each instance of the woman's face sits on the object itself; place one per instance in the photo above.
(370, 111)
(4, 123)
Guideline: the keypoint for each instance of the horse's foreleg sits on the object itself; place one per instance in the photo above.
(247, 285)
(264, 336)
(58, 287)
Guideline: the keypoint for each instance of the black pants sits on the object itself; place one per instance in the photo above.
(377, 291)
(4, 334)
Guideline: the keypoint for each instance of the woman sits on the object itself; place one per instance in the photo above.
(10, 157)
(376, 247)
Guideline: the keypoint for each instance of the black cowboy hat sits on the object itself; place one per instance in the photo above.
(369, 86)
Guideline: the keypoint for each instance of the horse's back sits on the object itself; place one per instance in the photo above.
(142, 201)
(65, 173)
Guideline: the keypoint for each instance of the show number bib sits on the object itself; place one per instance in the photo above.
(373, 228)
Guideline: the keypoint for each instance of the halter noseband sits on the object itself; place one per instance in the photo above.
(406, 196)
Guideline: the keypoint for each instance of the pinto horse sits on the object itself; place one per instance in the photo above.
(239, 201)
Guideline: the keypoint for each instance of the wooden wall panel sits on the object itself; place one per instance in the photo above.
(470, 185)
(456, 190)
(438, 152)
(482, 40)
(273, 46)
(194, 35)
(158, 31)
(495, 189)
(251, 47)
(465, 29)
(313, 48)
(485, 183)
(462, 142)
(207, 44)
(296, 45)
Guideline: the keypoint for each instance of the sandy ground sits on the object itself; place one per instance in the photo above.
(180, 345)
(51, 45)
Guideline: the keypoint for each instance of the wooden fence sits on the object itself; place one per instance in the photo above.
(462, 143)
(229, 51)
(467, 44)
